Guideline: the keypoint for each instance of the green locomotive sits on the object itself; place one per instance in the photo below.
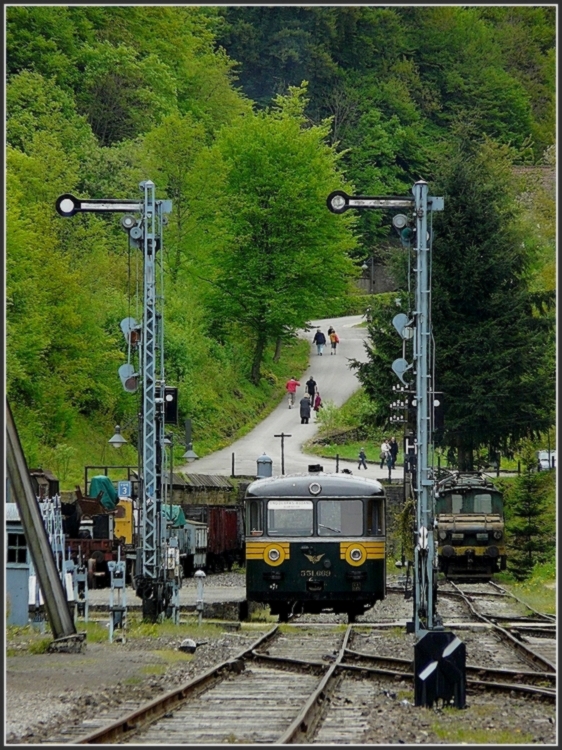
(470, 526)
(315, 542)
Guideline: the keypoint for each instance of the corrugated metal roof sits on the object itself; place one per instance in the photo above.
(179, 480)
(208, 481)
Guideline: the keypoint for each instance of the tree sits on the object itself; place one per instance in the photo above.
(494, 338)
(382, 347)
(268, 244)
(529, 519)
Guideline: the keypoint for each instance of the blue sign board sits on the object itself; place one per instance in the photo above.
(124, 489)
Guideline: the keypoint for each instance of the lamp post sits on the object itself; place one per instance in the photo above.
(369, 266)
(190, 455)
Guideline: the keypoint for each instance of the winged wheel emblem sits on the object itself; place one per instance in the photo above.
(315, 558)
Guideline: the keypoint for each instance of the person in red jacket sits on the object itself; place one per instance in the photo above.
(317, 402)
(291, 387)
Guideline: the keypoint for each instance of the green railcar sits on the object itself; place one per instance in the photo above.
(470, 526)
(315, 542)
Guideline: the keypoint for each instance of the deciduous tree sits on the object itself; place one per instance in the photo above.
(269, 246)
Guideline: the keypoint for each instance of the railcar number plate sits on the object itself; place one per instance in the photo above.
(315, 573)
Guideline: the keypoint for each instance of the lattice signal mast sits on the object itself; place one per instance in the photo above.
(157, 578)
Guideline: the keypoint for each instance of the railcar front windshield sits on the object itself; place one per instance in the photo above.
(290, 517)
(340, 518)
(332, 518)
(470, 502)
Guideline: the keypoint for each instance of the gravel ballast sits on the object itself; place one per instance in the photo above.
(46, 691)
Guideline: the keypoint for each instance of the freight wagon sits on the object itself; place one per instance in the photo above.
(225, 541)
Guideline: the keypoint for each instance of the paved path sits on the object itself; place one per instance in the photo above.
(336, 382)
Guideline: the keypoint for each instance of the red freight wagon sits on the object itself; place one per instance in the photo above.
(225, 540)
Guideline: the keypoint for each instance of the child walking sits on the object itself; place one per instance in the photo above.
(362, 457)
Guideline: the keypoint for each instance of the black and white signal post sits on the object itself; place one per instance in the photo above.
(157, 574)
(435, 649)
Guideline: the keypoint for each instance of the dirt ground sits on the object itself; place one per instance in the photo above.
(42, 689)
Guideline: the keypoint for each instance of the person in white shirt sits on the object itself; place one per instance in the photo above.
(385, 449)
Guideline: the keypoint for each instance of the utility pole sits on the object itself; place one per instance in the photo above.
(283, 435)
(157, 561)
(438, 655)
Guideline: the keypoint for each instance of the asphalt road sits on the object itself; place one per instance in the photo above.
(336, 383)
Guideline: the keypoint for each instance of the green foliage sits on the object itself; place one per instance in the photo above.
(538, 590)
(36, 104)
(96, 632)
(122, 94)
(384, 345)
(270, 249)
(346, 417)
(40, 647)
(493, 338)
(530, 521)
(102, 97)
(455, 734)
(493, 333)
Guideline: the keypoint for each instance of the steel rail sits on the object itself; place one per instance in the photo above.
(307, 719)
(543, 615)
(528, 653)
(125, 727)
(549, 693)
(471, 669)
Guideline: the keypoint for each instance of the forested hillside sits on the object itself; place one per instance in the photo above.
(246, 118)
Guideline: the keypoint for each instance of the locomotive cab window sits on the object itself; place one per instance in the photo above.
(254, 518)
(289, 517)
(483, 503)
(337, 517)
(457, 504)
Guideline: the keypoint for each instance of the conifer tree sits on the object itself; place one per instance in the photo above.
(494, 341)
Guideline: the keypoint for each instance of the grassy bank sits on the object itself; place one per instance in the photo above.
(233, 415)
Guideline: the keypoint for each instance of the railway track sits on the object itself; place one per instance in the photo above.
(312, 682)
(532, 636)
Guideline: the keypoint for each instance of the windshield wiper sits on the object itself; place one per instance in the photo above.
(338, 531)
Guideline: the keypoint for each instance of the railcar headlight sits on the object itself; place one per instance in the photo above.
(356, 554)
(273, 555)
(497, 534)
(442, 535)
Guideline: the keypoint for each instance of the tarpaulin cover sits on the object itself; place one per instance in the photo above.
(175, 514)
(109, 499)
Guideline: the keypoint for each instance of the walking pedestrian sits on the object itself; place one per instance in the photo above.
(317, 403)
(305, 409)
(291, 387)
(311, 387)
(385, 450)
(393, 445)
(362, 457)
(334, 341)
(320, 341)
